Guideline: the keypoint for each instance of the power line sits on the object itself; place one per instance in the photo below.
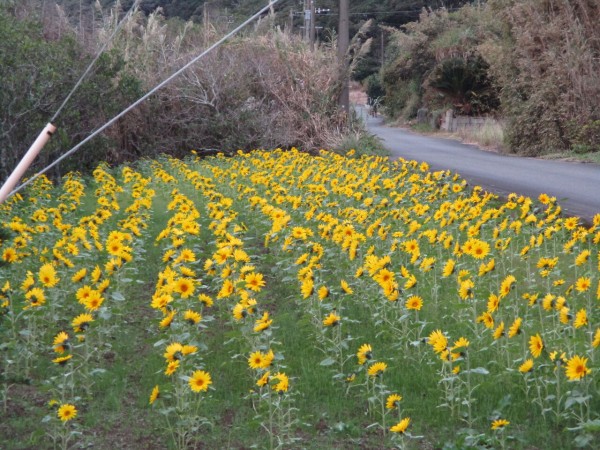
(395, 11)
(334, 13)
(374, 13)
(100, 52)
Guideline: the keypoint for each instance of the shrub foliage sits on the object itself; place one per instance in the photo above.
(530, 61)
(263, 90)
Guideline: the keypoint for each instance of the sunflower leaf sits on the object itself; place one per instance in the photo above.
(117, 296)
(583, 440)
(327, 362)
(478, 370)
(104, 314)
(592, 425)
(576, 399)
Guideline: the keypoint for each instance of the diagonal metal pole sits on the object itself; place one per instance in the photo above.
(29, 157)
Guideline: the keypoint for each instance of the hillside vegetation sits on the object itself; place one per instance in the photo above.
(533, 63)
(264, 89)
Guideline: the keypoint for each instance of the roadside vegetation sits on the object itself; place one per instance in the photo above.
(526, 62)
(264, 89)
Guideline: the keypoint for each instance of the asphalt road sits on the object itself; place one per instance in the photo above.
(575, 185)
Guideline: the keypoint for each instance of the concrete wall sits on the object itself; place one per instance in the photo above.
(451, 123)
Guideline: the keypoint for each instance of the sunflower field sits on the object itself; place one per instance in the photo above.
(283, 300)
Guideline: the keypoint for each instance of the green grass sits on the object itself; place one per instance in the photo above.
(424, 128)
(362, 143)
(591, 157)
(327, 411)
(489, 135)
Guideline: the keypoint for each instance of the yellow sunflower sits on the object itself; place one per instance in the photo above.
(376, 369)
(500, 424)
(401, 426)
(536, 345)
(331, 320)
(414, 302)
(200, 380)
(364, 353)
(576, 368)
(66, 412)
(154, 394)
(392, 401)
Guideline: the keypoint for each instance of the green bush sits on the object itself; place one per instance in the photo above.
(37, 74)
(587, 137)
(544, 59)
(361, 143)
(435, 63)
(266, 90)
(373, 87)
(535, 63)
(465, 84)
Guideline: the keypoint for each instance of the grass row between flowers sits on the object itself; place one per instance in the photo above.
(277, 299)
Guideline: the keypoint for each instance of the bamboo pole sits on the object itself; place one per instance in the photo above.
(29, 157)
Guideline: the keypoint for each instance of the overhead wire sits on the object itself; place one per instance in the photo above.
(144, 97)
(373, 13)
(93, 63)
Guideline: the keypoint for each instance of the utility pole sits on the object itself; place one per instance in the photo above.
(306, 11)
(205, 23)
(312, 25)
(81, 35)
(343, 43)
(382, 48)
(93, 20)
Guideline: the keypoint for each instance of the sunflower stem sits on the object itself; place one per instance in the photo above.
(382, 402)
